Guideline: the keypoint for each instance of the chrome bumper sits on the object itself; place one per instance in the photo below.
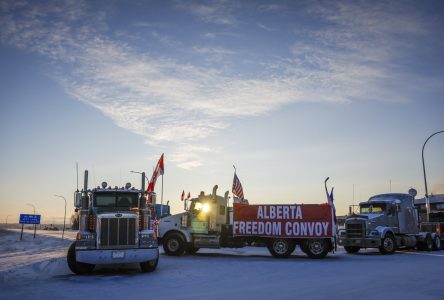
(368, 242)
(116, 256)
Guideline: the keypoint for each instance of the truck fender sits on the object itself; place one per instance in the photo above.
(382, 230)
(186, 235)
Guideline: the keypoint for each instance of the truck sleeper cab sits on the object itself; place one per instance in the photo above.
(387, 222)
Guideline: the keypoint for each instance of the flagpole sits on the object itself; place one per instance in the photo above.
(161, 200)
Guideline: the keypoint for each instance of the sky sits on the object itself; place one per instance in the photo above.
(290, 92)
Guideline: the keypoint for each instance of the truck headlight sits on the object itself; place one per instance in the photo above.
(147, 235)
(205, 208)
(147, 239)
(341, 232)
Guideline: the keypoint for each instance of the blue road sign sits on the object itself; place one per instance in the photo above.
(29, 219)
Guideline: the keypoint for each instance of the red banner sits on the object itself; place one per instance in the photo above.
(288, 221)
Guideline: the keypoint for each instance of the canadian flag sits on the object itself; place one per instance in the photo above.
(183, 195)
(159, 170)
(188, 197)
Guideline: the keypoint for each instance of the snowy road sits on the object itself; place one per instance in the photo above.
(37, 269)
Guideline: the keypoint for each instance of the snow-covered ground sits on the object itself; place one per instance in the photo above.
(37, 269)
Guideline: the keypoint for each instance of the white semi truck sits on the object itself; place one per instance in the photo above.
(389, 222)
(208, 222)
(113, 229)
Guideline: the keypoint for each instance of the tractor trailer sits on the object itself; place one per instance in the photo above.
(113, 229)
(208, 222)
(388, 222)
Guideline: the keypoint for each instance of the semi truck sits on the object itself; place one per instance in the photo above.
(209, 222)
(113, 228)
(389, 222)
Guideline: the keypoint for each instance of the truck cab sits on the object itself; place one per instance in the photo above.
(387, 222)
(113, 229)
(201, 225)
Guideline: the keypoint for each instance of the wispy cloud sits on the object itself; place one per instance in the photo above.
(215, 11)
(264, 27)
(176, 104)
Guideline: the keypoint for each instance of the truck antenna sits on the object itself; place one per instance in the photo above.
(77, 171)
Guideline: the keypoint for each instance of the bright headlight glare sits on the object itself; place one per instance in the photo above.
(206, 208)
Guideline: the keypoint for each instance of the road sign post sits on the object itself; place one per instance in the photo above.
(29, 219)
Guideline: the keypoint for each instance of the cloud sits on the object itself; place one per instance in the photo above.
(213, 50)
(216, 11)
(177, 104)
(264, 27)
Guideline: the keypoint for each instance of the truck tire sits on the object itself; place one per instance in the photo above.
(317, 248)
(428, 245)
(388, 244)
(436, 243)
(174, 244)
(352, 249)
(149, 266)
(281, 248)
(77, 267)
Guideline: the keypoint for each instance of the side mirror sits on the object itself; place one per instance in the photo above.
(392, 210)
(77, 199)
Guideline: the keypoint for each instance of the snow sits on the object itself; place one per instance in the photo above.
(37, 269)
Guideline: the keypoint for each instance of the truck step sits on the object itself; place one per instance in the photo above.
(206, 241)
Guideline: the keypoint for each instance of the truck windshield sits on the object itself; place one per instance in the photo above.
(116, 200)
(372, 209)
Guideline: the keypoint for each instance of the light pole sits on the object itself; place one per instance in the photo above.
(6, 225)
(425, 178)
(142, 173)
(35, 225)
(64, 218)
(142, 205)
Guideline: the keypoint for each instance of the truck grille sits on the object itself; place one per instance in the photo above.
(117, 232)
(355, 230)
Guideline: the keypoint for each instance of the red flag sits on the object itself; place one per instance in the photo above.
(159, 170)
(183, 195)
(188, 197)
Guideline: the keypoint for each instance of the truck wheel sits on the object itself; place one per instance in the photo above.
(280, 248)
(174, 244)
(388, 244)
(436, 243)
(77, 267)
(149, 266)
(317, 248)
(352, 249)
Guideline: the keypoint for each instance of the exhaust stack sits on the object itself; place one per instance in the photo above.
(142, 203)
(85, 192)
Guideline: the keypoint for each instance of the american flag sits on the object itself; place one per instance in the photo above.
(237, 188)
